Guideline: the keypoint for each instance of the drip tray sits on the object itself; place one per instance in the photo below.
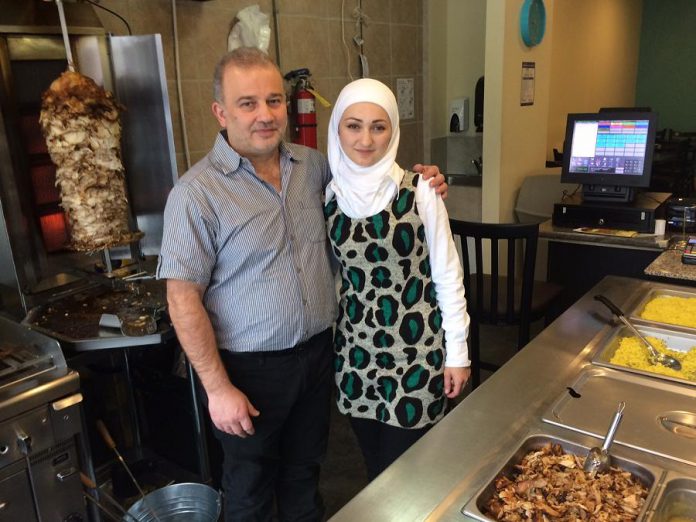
(660, 417)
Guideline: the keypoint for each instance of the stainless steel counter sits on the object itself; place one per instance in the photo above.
(439, 474)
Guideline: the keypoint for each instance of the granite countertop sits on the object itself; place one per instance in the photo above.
(642, 241)
(668, 264)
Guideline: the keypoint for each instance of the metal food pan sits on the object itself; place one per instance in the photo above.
(680, 341)
(660, 416)
(676, 500)
(647, 474)
(635, 310)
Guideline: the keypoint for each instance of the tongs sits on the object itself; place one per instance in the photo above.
(655, 356)
(598, 459)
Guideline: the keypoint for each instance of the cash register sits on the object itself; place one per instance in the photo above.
(610, 154)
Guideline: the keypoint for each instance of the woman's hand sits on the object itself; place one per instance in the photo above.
(437, 180)
(455, 380)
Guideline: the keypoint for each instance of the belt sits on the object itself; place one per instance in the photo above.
(281, 353)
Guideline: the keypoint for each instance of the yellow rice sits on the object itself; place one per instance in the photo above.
(672, 310)
(632, 353)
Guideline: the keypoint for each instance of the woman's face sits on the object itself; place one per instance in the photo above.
(365, 132)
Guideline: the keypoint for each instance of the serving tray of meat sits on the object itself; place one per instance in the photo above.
(660, 416)
(544, 480)
(101, 317)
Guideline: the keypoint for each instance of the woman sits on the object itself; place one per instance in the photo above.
(402, 282)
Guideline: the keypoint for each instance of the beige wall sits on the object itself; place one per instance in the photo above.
(514, 138)
(310, 36)
(456, 51)
(594, 60)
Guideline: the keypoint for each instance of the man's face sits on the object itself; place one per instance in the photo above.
(253, 110)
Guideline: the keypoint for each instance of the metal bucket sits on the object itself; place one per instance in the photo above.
(186, 502)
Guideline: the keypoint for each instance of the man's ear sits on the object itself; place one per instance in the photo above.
(219, 113)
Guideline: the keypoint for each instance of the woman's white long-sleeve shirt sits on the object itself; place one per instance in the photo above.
(447, 274)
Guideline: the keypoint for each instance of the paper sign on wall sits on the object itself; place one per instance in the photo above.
(527, 89)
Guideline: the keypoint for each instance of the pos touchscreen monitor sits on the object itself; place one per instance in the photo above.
(609, 153)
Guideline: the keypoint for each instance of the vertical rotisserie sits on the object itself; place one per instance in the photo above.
(80, 121)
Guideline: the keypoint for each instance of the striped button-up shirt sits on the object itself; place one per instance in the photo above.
(261, 255)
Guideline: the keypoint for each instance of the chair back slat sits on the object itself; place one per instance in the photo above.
(493, 308)
(510, 290)
(517, 291)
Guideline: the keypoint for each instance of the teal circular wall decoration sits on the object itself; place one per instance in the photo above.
(532, 22)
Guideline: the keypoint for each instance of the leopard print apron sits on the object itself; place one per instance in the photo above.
(389, 357)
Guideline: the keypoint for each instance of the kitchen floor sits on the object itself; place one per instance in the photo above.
(343, 473)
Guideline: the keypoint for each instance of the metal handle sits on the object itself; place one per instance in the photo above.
(62, 476)
(618, 313)
(3, 505)
(67, 402)
(606, 302)
(24, 443)
(609, 438)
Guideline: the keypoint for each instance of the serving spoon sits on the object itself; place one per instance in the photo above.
(598, 459)
(655, 356)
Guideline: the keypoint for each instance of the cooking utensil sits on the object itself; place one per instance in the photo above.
(110, 442)
(101, 506)
(598, 460)
(655, 356)
(131, 323)
(88, 482)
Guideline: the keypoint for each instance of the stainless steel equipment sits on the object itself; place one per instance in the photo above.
(32, 224)
(656, 357)
(676, 340)
(637, 307)
(37, 272)
(42, 447)
(678, 500)
(660, 416)
(648, 475)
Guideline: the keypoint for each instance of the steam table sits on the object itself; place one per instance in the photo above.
(443, 471)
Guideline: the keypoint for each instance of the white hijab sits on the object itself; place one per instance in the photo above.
(363, 191)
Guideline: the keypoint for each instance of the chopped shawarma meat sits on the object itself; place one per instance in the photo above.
(550, 485)
(80, 122)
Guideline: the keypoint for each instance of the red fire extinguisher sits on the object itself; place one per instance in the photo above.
(303, 108)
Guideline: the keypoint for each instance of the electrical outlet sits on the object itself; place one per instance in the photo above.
(405, 98)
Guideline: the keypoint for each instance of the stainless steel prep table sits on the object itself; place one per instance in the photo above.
(439, 474)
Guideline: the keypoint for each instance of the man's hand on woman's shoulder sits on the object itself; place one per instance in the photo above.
(437, 179)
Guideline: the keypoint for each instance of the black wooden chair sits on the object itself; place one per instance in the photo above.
(493, 298)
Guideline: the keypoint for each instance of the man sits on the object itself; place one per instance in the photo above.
(251, 293)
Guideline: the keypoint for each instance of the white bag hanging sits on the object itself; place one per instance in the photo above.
(250, 30)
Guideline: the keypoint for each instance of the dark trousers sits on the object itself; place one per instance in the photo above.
(292, 391)
(381, 444)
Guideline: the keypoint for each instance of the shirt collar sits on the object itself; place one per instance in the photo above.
(229, 161)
